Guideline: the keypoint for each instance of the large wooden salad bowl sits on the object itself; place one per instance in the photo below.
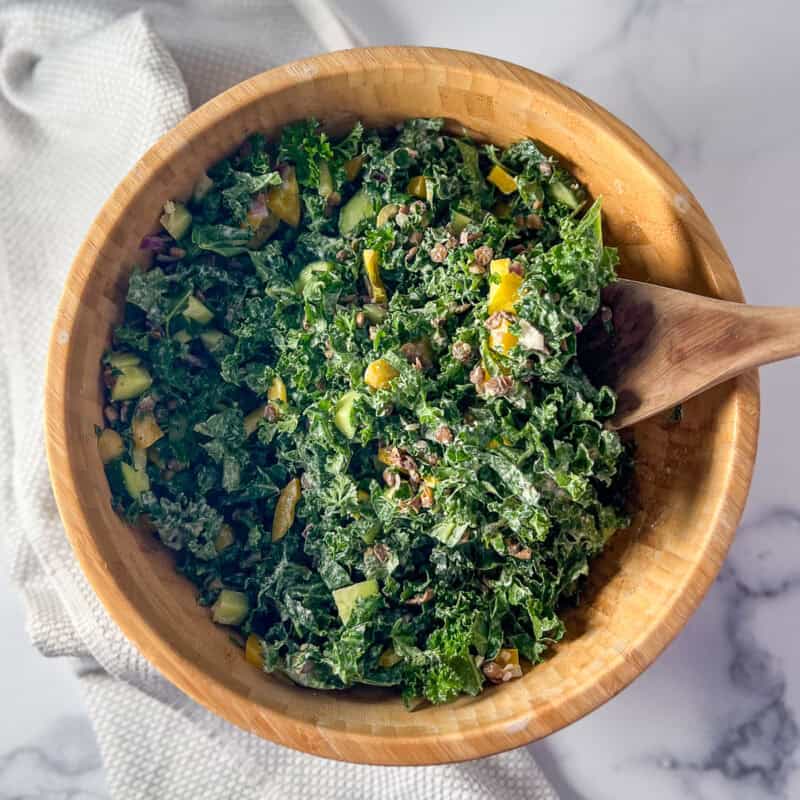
(692, 476)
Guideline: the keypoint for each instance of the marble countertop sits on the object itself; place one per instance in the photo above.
(713, 87)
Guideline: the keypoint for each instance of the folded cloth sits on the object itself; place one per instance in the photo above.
(85, 88)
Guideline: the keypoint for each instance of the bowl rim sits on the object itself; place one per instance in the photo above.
(237, 707)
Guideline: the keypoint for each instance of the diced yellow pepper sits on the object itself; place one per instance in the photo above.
(379, 374)
(503, 296)
(262, 229)
(110, 445)
(277, 390)
(253, 651)
(253, 418)
(284, 200)
(146, 430)
(493, 444)
(502, 180)
(508, 655)
(362, 495)
(224, 538)
(353, 167)
(285, 508)
(383, 456)
(373, 270)
(418, 187)
(501, 340)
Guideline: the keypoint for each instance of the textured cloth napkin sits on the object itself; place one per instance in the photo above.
(85, 88)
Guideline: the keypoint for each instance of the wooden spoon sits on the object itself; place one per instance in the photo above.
(667, 345)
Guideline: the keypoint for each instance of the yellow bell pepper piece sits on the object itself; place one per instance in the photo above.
(383, 456)
(252, 419)
(284, 200)
(277, 390)
(373, 270)
(224, 538)
(379, 374)
(502, 180)
(418, 187)
(285, 508)
(353, 167)
(253, 653)
(503, 296)
(508, 655)
(501, 340)
(146, 430)
(110, 445)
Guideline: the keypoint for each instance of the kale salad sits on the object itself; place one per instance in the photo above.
(346, 394)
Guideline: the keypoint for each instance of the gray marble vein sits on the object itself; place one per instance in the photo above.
(758, 750)
(63, 764)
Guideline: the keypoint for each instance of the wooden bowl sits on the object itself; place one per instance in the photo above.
(691, 477)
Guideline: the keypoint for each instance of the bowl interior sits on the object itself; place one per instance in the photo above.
(691, 477)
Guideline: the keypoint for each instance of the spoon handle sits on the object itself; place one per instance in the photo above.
(670, 345)
(734, 338)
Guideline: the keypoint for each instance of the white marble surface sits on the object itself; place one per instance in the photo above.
(714, 87)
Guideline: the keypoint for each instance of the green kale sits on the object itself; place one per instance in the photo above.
(454, 473)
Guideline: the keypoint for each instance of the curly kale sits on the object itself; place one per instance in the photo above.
(347, 395)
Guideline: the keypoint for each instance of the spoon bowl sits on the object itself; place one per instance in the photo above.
(657, 347)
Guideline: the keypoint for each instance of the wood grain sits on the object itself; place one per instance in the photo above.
(667, 345)
(692, 478)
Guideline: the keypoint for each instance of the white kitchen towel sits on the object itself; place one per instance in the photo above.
(85, 88)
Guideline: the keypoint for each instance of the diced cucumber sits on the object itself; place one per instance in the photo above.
(110, 445)
(119, 360)
(309, 271)
(530, 190)
(212, 339)
(325, 179)
(203, 186)
(358, 207)
(176, 219)
(459, 221)
(135, 480)
(347, 597)
(561, 193)
(131, 383)
(139, 457)
(344, 415)
(197, 311)
(375, 313)
(182, 336)
(231, 608)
